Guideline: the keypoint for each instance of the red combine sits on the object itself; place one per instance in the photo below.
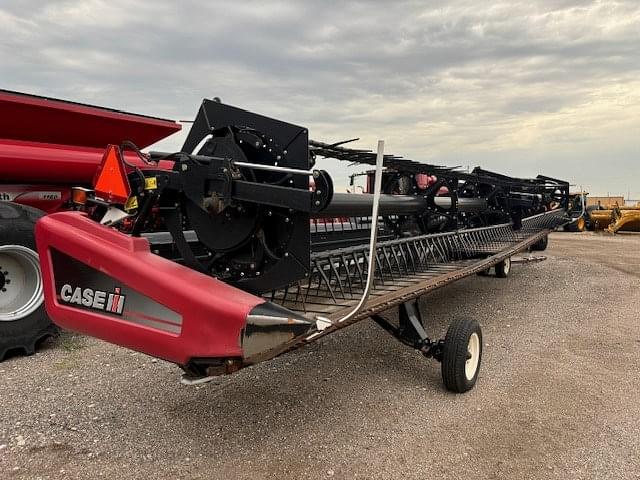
(46, 147)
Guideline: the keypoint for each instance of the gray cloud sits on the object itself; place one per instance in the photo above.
(523, 87)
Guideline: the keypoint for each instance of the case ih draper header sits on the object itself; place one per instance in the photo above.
(237, 248)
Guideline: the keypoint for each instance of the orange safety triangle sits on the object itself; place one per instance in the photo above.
(111, 183)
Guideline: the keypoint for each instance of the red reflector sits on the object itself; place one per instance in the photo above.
(111, 183)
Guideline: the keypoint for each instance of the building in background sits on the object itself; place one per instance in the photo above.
(605, 202)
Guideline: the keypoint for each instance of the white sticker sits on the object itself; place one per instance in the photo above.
(7, 196)
(49, 195)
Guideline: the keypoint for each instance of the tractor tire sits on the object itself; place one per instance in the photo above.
(24, 323)
(579, 225)
(461, 355)
(503, 268)
(541, 245)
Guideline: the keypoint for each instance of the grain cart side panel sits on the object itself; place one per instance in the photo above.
(31, 162)
(108, 285)
(71, 123)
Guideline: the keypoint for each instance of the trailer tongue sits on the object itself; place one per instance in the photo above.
(242, 250)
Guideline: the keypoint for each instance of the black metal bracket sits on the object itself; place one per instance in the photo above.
(410, 330)
(200, 176)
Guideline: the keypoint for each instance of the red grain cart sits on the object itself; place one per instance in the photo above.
(46, 147)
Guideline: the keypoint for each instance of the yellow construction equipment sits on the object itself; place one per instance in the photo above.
(625, 218)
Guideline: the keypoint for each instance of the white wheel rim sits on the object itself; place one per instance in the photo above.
(507, 265)
(473, 354)
(20, 282)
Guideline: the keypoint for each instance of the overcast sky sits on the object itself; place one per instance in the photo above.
(521, 87)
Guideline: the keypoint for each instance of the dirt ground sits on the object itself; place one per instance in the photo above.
(557, 396)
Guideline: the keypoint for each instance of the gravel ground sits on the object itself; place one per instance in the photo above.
(557, 395)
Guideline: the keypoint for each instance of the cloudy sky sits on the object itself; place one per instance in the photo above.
(522, 87)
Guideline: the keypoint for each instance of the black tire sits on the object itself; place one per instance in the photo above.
(458, 375)
(24, 334)
(503, 269)
(541, 245)
(578, 226)
(570, 227)
(588, 224)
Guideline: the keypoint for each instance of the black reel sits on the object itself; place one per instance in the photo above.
(245, 238)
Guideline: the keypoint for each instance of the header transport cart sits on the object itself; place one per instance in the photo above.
(237, 248)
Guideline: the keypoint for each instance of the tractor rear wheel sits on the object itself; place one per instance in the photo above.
(23, 320)
(461, 355)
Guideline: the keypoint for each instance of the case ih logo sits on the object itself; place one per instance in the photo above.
(112, 302)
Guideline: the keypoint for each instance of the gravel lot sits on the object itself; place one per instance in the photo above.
(557, 396)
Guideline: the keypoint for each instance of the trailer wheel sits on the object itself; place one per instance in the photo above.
(23, 320)
(461, 355)
(541, 244)
(503, 268)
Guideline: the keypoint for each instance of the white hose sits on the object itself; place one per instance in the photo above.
(323, 322)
